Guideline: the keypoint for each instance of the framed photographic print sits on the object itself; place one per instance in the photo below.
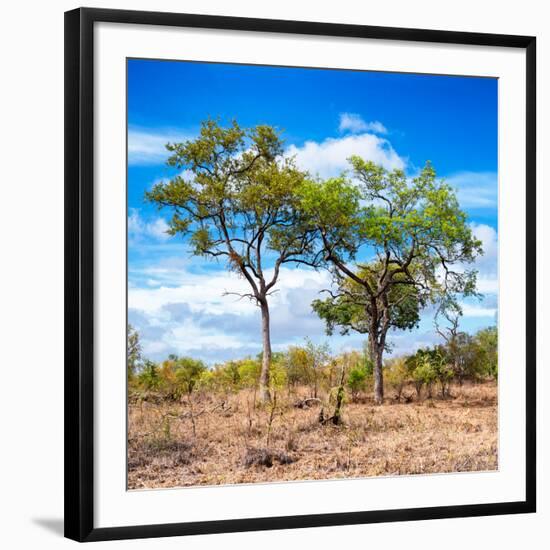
(300, 274)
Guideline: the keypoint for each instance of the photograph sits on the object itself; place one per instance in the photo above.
(312, 274)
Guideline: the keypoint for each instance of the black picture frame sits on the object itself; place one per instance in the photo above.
(79, 273)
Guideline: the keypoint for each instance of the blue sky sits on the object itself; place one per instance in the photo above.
(399, 120)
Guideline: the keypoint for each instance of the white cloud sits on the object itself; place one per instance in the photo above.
(487, 277)
(208, 293)
(182, 307)
(487, 285)
(329, 157)
(151, 348)
(487, 264)
(189, 336)
(202, 293)
(473, 310)
(475, 189)
(149, 147)
(354, 123)
(139, 228)
(185, 174)
(196, 316)
(157, 229)
(405, 342)
(179, 304)
(489, 238)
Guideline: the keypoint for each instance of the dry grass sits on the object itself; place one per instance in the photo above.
(226, 440)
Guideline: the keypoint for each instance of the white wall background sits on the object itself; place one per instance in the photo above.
(31, 272)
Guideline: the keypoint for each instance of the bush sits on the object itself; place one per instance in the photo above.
(148, 378)
(188, 371)
(357, 380)
(396, 375)
(277, 376)
(296, 362)
(306, 365)
(424, 373)
(249, 373)
(178, 376)
(428, 366)
(486, 342)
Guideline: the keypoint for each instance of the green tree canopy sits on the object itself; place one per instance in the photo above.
(348, 308)
(237, 200)
(416, 235)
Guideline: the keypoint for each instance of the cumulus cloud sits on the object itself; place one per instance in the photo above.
(186, 309)
(180, 306)
(475, 190)
(214, 293)
(198, 317)
(328, 158)
(488, 263)
(480, 311)
(354, 123)
(139, 228)
(404, 342)
(149, 146)
(487, 279)
(174, 328)
(475, 310)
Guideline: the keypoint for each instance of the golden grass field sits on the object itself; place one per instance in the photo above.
(233, 442)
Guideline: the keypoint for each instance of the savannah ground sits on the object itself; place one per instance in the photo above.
(224, 439)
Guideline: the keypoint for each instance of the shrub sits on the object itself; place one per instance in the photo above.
(249, 372)
(277, 376)
(306, 365)
(424, 374)
(296, 364)
(396, 375)
(188, 371)
(428, 366)
(486, 342)
(359, 372)
(357, 380)
(179, 375)
(205, 381)
(229, 375)
(149, 378)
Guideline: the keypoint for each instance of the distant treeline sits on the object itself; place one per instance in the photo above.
(430, 370)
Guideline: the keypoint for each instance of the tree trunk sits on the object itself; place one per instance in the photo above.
(375, 352)
(378, 376)
(376, 349)
(266, 357)
(337, 416)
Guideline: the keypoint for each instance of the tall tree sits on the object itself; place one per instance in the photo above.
(237, 201)
(349, 308)
(416, 238)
